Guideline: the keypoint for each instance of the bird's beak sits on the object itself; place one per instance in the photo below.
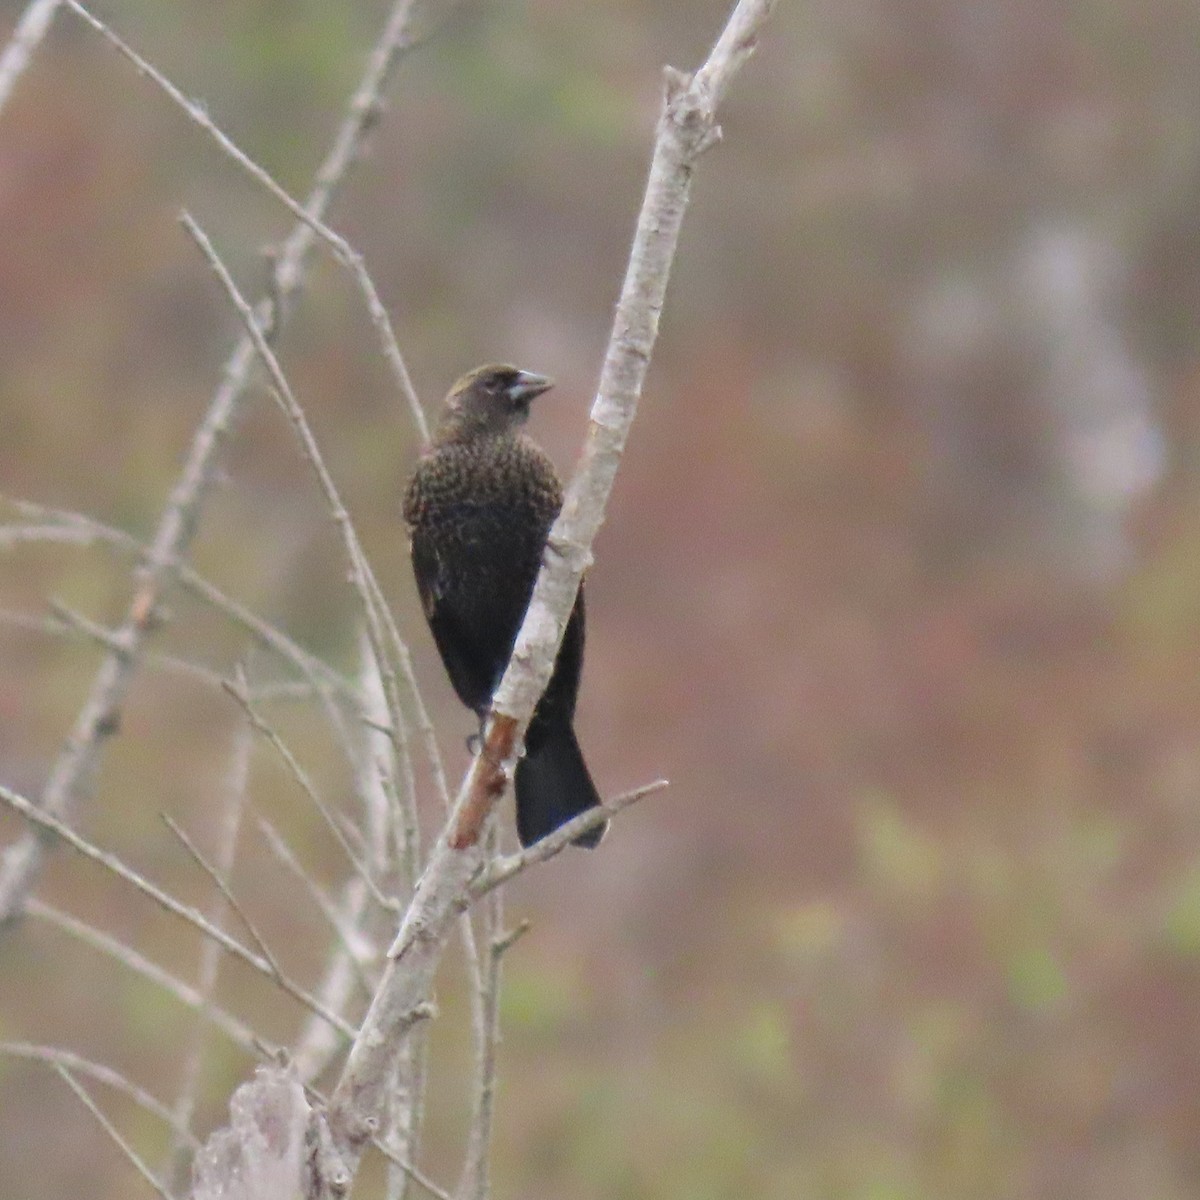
(527, 385)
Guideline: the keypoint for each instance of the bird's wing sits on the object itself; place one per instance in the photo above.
(460, 656)
(427, 570)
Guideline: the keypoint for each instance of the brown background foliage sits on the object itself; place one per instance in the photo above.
(900, 585)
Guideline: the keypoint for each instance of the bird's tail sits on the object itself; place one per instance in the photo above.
(552, 786)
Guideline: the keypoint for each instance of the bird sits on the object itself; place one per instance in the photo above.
(479, 507)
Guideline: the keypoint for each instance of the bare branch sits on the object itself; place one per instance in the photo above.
(421, 1180)
(66, 623)
(501, 870)
(55, 1055)
(31, 29)
(50, 825)
(685, 129)
(475, 1183)
(74, 767)
(109, 1128)
(64, 526)
(300, 775)
(342, 250)
(362, 578)
(210, 955)
(222, 886)
(240, 1034)
(357, 948)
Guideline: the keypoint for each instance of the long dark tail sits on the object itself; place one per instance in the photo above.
(553, 785)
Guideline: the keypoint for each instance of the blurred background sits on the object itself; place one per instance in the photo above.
(900, 584)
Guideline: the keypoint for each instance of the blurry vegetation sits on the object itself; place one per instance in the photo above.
(900, 587)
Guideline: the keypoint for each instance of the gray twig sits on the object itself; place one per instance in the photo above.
(105, 1075)
(222, 886)
(300, 775)
(356, 946)
(342, 250)
(362, 578)
(109, 1128)
(502, 869)
(31, 29)
(475, 1183)
(51, 826)
(65, 526)
(235, 1030)
(210, 958)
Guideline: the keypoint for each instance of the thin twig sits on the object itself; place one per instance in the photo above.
(105, 1075)
(222, 886)
(362, 578)
(357, 948)
(316, 1045)
(51, 826)
(300, 775)
(422, 1180)
(235, 1030)
(386, 826)
(234, 805)
(109, 1128)
(64, 623)
(343, 252)
(31, 29)
(475, 1183)
(501, 870)
(65, 526)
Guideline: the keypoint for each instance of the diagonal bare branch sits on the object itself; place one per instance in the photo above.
(65, 526)
(233, 807)
(31, 29)
(686, 128)
(109, 1128)
(236, 1031)
(342, 250)
(502, 869)
(49, 825)
(350, 940)
(227, 894)
(108, 1076)
(300, 775)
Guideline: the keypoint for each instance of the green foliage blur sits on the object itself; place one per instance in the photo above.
(900, 585)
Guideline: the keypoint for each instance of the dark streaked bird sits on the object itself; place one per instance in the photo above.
(479, 507)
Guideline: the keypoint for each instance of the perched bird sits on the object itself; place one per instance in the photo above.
(478, 508)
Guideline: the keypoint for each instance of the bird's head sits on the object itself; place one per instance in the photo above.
(490, 400)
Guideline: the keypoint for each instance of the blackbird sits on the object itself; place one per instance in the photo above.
(478, 508)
